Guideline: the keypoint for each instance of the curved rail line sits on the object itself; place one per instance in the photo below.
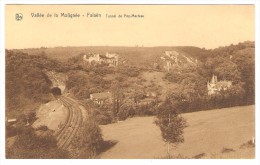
(72, 123)
(68, 119)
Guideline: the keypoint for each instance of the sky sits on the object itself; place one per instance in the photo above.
(204, 26)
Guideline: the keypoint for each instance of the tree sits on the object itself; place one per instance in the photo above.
(88, 140)
(228, 70)
(117, 97)
(193, 86)
(126, 110)
(246, 65)
(170, 121)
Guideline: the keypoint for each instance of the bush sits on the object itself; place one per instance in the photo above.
(88, 140)
(122, 114)
(28, 145)
(130, 71)
(145, 110)
(104, 118)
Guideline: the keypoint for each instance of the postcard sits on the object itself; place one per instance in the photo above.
(136, 81)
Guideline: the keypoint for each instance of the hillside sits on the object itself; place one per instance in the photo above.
(188, 67)
(210, 133)
(135, 55)
(27, 85)
(155, 81)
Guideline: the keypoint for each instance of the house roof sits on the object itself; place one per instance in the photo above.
(11, 120)
(100, 96)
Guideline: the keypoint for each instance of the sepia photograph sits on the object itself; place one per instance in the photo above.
(129, 81)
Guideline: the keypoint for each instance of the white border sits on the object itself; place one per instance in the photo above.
(2, 84)
(130, 161)
(129, 2)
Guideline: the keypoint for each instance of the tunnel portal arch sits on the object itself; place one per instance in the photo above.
(56, 91)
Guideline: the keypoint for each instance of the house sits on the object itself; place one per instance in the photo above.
(100, 98)
(108, 58)
(10, 122)
(215, 86)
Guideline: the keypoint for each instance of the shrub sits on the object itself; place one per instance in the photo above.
(104, 118)
(88, 141)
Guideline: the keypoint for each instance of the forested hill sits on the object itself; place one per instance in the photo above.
(27, 84)
(233, 63)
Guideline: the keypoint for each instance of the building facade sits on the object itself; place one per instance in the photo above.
(214, 86)
(100, 98)
(108, 58)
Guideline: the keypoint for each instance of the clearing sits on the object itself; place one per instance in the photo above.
(51, 114)
(209, 133)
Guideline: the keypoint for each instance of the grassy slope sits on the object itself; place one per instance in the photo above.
(208, 132)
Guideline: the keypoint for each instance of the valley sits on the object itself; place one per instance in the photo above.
(115, 102)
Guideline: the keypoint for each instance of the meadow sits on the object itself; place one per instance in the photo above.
(219, 133)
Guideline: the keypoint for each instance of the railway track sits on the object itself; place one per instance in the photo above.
(72, 123)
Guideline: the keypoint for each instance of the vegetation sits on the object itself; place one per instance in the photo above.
(28, 86)
(208, 132)
(170, 121)
(233, 63)
(88, 141)
(29, 145)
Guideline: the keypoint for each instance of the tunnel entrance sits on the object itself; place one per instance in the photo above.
(56, 91)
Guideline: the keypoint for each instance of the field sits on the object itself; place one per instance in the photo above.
(215, 134)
